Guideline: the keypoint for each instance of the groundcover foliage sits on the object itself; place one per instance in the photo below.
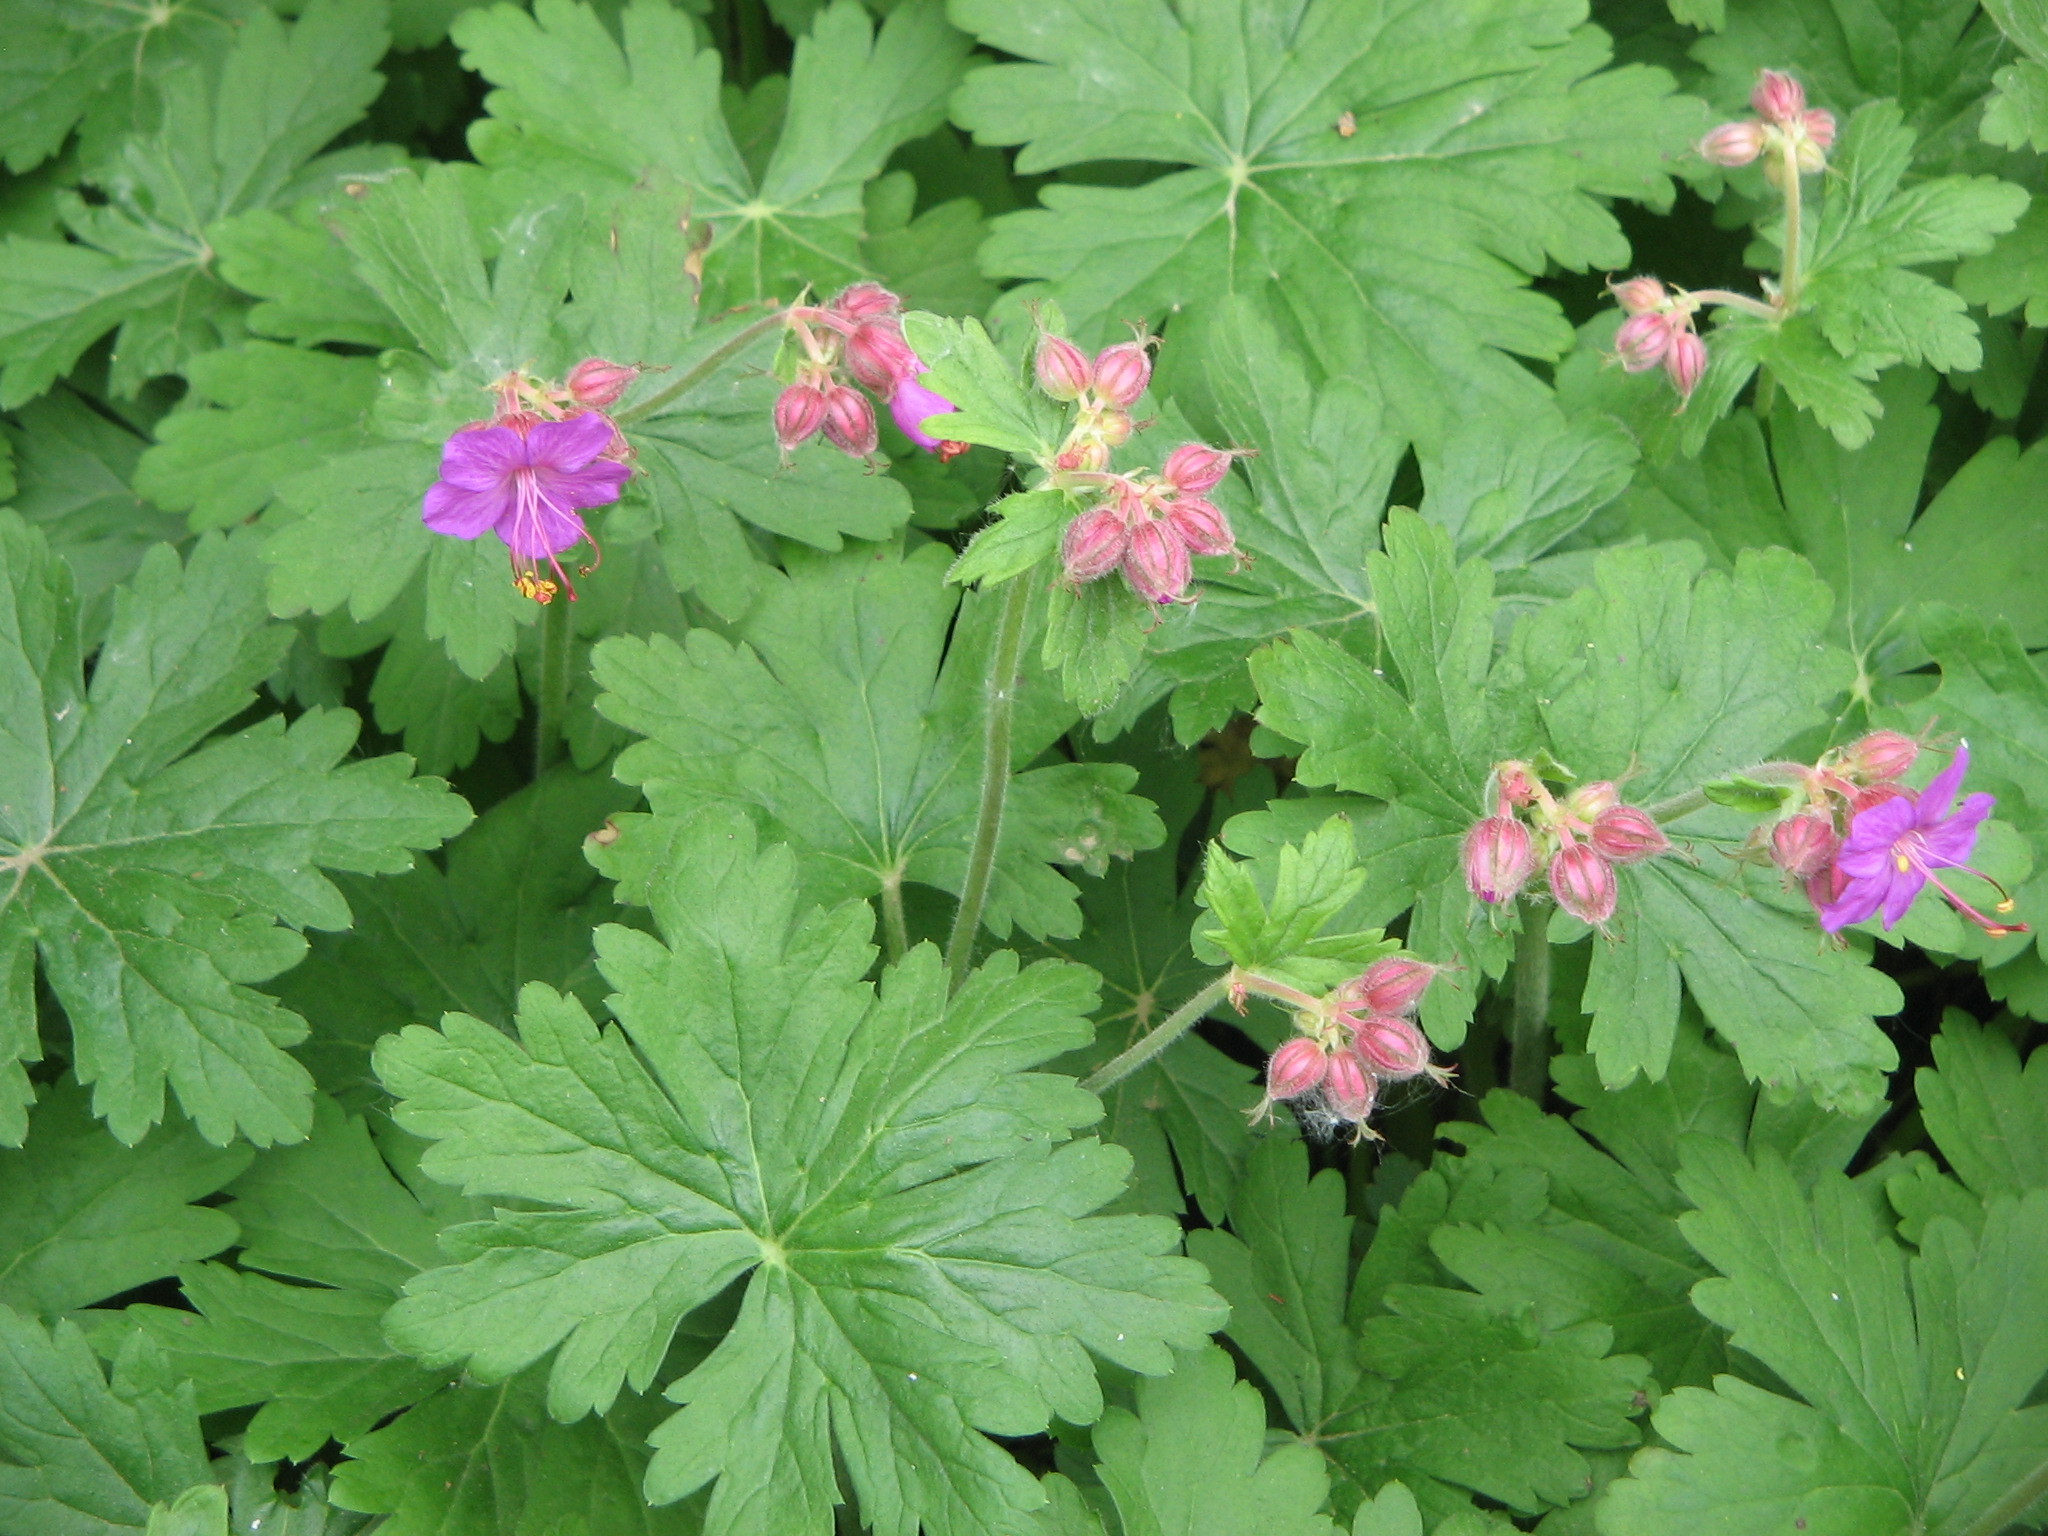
(1020, 768)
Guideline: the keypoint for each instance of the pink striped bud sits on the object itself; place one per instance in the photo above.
(1063, 368)
(1805, 845)
(799, 412)
(1297, 1067)
(1590, 800)
(1876, 794)
(1880, 757)
(1122, 372)
(1778, 98)
(1583, 883)
(866, 301)
(1390, 1046)
(1685, 362)
(597, 382)
(1825, 888)
(1820, 129)
(1734, 143)
(1348, 1088)
(1094, 544)
(1499, 859)
(1639, 295)
(1196, 468)
(1201, 526)
(1643, 341)
(1394, 984)
(879, 357)
(1627, 835)
(850, 421)
(1156, 563)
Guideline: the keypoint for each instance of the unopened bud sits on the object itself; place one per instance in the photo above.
(1685, 362)
(879, 357)
(1348, 1088)
(1390, 985)
(1638, 295)
(912, 405)
(866, 301)
(850, 421)
(1113, 427)
(1876, 794)
(799, 412)
(1122, 372)
(1063, 368)
(1805, 845)
(1778, 98)
(1734, 143)
(1196, 468)
(1880, 756)
(597, 382)
(1201, 526)
(1820, 129)
(1825, 888)
(1499, 858)
(1391, 1046)
(1590, 800)
(1627, 835)
(1517, 782)
(1094, 544)
(1298, 1066)
(1156, 563)
(1089, 456)
(1583, 883)
(1643, 342)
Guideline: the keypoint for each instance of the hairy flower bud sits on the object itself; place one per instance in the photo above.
(1122, 372)
(1880, 757)
(1391, 1046)
(1583, 883)
(597, 382)
(1734, 143)
(1643, 342)
(1113, 428)
(1686, 361)
(1195, 468)
(1499, 858)
(799, 412)
(1298, 1066)
(1627, 835)
(1639, 295)
(1156, 563)
(1088, 455)
(1394, 984)
(1348, 1088)
(879, 357)
(850, 421)
(1591, 800)
(1876, 794)
(1201, 526)
(1804, 845)
(1094, 544)
(1063, 368)
(1820, 129)
(1778, 98)
(866, 301)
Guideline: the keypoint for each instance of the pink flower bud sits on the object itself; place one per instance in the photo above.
(1201, 526)
(866, 301)
(1089, 455)
(1298, 1066)
(1094, 544)
(1686, 361)
(879, 357)
(850, 421)
(1113, 428)
(1348, 1088)
(1499, 858)
(1517, 783)
(1583, 883)
(1390, 1046)
(1590, 800)
(1196, 468)
(1880, 757)
(1734, 143)
(1122, 372)
(597, 382)
(1820, 128)
(1390, 985)
(1639, 295)
(1804, 845)
(1643, 342)
(1778, 98)
(799, 412)
(1877, 794)
(1825, 888)
(1627, 835)
(1156, 563)
(1063, 368)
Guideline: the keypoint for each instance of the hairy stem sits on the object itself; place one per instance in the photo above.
(995, 779)
(552, 702)
(895, 930)
(1789, 275)
(2021, 1497)
(704, 369)
(1529, 1044)
(1695, 799)
(1171, 1028)
(1730, 300)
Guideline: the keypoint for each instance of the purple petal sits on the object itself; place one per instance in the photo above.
(1952, 840)
(1905, 885)
(1858, 900)
(594, 485)
(1940, 792)
(461, 513)
(540, 532)
(911, 405)
(1872, 831)
(480, 458)
(570, 444)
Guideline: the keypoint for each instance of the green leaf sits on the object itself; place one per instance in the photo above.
(160, 878)
(1910, 1372)
(914, 1158)
(83, 1218)
(307, 291)
(1028, 534)
(992, 404)
(1983, 1111)
(1480, 150)
(79, 1453)
(1274, 912)
(847, 720)
(201, 1510)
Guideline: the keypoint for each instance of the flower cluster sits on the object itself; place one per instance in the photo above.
(862, 332)
(1863, 843)
(1659, 329)
(1579, 840)
(1360, 1036)
(1784, 131)
(1149, 526)
(546, 455)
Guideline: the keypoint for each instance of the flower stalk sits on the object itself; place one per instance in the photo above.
(1529, 1035)
(552, 694)
(995, 779)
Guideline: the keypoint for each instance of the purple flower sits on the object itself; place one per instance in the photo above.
(912, 404)
(1894, 848)
(527, 484)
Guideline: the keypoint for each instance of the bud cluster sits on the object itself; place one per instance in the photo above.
(1659, 329)
(1785, 132)
(1349, 1043)
(521, 399)
(1803, 839)
(1103, 388)
(1578, 839)
(861, 334)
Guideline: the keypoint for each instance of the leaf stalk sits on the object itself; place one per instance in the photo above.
(995, 779)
